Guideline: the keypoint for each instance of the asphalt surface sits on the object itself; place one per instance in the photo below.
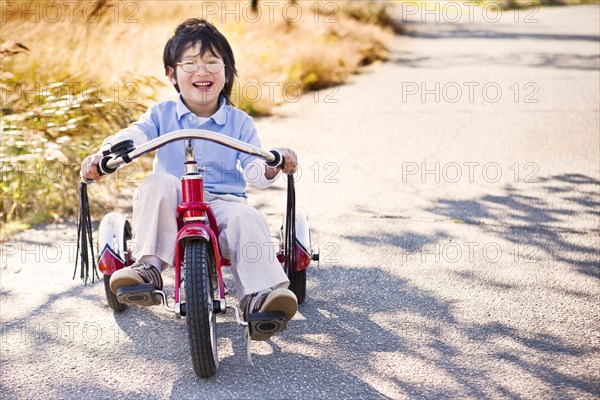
(454, 193)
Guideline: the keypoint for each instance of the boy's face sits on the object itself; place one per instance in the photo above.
(200, 89)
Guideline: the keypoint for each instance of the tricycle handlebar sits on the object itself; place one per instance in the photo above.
(110, 163)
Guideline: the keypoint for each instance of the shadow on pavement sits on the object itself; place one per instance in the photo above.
(534, 60)
(541, 221)
(467, 352)
(460, 33)
(364, 324)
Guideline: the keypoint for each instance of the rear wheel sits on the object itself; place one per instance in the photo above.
(201, 320)
(111, 298)
(298, 284)
(297, 278)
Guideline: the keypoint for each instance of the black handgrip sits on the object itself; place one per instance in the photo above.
(103, 168)
(122, 147)
(279, 161)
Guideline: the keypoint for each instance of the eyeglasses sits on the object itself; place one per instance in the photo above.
(192, 66)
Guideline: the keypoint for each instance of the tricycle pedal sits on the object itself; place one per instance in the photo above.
(270, 322)
(142, 295)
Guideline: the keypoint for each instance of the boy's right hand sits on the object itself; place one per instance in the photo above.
(89, 167)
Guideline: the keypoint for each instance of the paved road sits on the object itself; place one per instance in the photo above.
(459, 238)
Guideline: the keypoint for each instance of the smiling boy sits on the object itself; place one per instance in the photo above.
(200, 64)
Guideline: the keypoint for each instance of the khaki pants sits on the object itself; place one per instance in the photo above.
(244, 236)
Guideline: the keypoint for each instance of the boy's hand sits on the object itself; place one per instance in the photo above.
(89, 167)
(291, 160)
(291, 163)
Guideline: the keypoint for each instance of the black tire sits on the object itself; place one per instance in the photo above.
(298, 284)
(111, 298)
(199, 296)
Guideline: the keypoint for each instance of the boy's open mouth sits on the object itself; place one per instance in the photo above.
(202, 84)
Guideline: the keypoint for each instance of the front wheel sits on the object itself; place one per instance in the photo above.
(201, 320)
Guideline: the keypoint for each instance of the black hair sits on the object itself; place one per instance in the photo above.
(196, 30)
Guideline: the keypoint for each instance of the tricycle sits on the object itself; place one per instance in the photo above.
(198, 262)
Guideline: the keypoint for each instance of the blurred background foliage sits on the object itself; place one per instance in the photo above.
(512, 4)
(73, 73)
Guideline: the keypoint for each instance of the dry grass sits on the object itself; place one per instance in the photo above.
(321, 46)
(91, 69)
(522, 4)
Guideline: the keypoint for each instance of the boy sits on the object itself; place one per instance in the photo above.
(200, 64)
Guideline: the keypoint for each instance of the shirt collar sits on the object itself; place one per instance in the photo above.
(220, 117)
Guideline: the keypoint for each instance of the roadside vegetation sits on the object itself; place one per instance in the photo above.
(521, 4)
(73, 73)
(496, 4)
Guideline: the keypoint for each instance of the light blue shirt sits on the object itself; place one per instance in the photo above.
(223, 166)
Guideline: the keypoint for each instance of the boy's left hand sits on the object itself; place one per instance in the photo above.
(291, 160)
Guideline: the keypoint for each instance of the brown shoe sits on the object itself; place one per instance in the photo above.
(140, 273)
(278, 300)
